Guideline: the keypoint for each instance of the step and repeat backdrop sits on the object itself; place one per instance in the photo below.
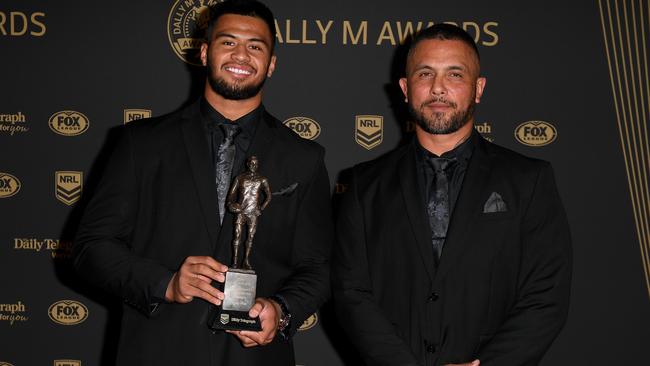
(567, 81)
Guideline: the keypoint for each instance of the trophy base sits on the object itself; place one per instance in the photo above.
(233, 320)
(239, 292)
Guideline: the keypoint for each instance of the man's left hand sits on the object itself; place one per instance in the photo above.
(269, 314)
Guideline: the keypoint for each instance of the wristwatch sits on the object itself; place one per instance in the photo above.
(285, 317)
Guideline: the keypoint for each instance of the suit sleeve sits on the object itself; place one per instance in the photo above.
(308, 287)
(102, 247)
(372, 333)
(543, 284)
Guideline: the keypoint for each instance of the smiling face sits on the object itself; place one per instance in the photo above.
(442, 85)
(239, 57)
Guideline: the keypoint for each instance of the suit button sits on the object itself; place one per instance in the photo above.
(434, 296)
(431, 348)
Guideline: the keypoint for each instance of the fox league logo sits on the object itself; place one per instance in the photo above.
(304, 127)
(9, 185)
(369, 130)
(68, 312)
(69, 123)
(186, 26)
(535, 133)
(68, 186)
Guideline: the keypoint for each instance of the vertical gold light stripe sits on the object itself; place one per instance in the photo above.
(631, 94)
(642, 75)
(639, 168)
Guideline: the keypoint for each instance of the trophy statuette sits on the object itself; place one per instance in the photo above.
(241, 280)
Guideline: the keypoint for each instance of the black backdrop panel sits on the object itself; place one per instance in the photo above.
(72, 71)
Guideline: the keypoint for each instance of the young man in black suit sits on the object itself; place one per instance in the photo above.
(157, 233)
(451, 250)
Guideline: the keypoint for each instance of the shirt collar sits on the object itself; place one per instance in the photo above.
(247, 122)
(462, 153)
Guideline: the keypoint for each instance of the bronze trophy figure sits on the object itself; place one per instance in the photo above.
(241, 281)
(251, 185)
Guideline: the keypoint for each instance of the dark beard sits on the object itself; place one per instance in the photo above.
(436, 125)
(232, 92)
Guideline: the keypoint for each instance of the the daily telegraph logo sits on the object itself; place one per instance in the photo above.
(12, 313)
(59, 249)
(12, 123)
(131, 115)
(9, 185)
(485, 129)
(67, 363)
(68, 312)
(369, 130)
(186, 26)
(68, 186)
(309, 322)
(536, 133)
(305, 127)
(69, 123)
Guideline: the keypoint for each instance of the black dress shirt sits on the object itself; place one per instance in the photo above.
(248, 123)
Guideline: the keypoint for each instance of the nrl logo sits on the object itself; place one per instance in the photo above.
(186, 26)
(131, 115)
(224, 318)
(369, 130)
(68, 186)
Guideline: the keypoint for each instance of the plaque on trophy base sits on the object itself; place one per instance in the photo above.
(239, 292)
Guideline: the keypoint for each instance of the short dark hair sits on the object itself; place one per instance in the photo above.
(444, 31)
(251, 8)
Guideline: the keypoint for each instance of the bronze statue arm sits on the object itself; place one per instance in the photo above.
(267, 193)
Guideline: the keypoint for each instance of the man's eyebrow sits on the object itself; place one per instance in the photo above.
(228, 35)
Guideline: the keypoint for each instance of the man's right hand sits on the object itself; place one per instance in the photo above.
(193, 280)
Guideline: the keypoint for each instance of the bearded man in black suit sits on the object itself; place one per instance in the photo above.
(451, 250)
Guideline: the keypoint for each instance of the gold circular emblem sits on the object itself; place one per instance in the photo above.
(305, 127)
(69, 123)
(68, 312)
(536, 133)
(186, 25)
(9, 185)
(309, 322)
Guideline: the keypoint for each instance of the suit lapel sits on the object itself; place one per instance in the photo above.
(200, 162)
(415, 208)
(470, 202)
(262, 141)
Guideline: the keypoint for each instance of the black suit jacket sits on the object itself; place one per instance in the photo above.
(501, 290)
(156, 205)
